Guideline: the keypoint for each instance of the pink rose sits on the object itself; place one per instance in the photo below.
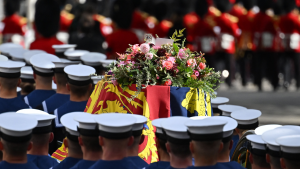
(168, 82)
(202, 66)
(171, 59)
(115, 82)
(196, 73)
(168, 65)
(156, 47)
(145, 48)
(181, 54)
(149, 56)
(191, 62)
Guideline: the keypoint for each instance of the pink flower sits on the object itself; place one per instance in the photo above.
(168, 82)
(171, 59)
(168, 65)
(122, 63)
(196, 73)
(115, 82)
(135, 48)
(157, 77)
(156, 47)
(191, 62)
(181, 54)
(149, 56)
(121, 56)
(202, 66)
(176, 70)
(145, 48)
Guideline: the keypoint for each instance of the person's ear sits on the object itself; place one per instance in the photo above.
(168, 147)
(101, 142)
(80, 141)
(51, 137)
(221, 147)
(68, 87)
(282, 163)
(130, 141)
(157, 143)
(66, 143)
(192, 147)
(34, 76)
(19, 82)
(230, 144)
(29, 146)
(1, 146)
(251, 158)
(268, 159)
(54, 79)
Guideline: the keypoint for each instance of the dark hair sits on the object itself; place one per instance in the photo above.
(260, 161)
(79, 91)
(180, 150)
(47, 17)
(27, 87)
(61, 79)
(40, 139)
(275, 161)
(91, 143)
(292, 164)
(15, 149)
(162, 145)
(74, 147)
(160, 10)
(9, 83)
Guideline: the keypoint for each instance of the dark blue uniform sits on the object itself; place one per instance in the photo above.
(83, 164)
(235, 139)
(28, 165)
(138, 161)
(42, 161)
(232, 165)
(53, 102)
(67, 163)
(159, 165)
(125, 163)
(14, 104)
(217, 166)
(36, 97)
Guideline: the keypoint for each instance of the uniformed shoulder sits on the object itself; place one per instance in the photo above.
(232, 18)
(102, 19)
(167, 23)
(144, 14)
(215, 11)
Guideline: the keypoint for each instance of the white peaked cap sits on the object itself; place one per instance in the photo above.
(17, 125)
(63, 47)
(218, 101)
(175, 129)
(229, 127)
(270, 136)
(256, 142)
(43, 62)
(228, 109)
(115, 125)
(289, 145)
(29, 53)
(75, 54)
(70, 124)
(93, 58)
(261, 129)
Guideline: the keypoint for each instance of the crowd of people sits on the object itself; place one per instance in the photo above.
(257, 38)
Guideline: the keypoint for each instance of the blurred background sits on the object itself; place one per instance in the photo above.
(254, 43)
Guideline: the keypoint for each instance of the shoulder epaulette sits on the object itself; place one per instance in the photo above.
(144, 14)
(210, 21)
(102, 19)
(68, 15)
(167, 23)
(215, 11)
(232, 18)
(23, 21)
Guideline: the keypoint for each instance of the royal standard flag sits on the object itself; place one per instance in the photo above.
(152, 102)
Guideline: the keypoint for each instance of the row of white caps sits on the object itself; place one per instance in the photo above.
(277, 140)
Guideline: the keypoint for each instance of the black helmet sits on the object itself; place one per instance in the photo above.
(223, 5)
(122, 11)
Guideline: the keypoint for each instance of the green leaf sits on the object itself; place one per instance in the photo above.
(176, 49)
